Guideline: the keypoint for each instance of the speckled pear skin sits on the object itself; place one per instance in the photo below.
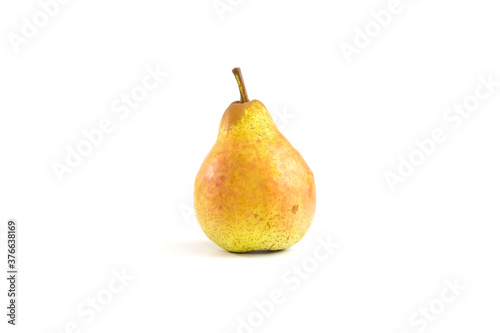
(254, 191)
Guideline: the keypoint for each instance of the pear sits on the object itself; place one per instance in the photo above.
(254, 191)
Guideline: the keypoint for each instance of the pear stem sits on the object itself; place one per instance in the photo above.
(241, 85)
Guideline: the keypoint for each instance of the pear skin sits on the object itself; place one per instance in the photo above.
(253, 191)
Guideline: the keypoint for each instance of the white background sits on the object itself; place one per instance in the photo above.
(128, 205)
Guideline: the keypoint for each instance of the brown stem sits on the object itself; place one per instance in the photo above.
(241, 85)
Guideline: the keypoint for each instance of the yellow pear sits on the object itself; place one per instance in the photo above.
(254, 191)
